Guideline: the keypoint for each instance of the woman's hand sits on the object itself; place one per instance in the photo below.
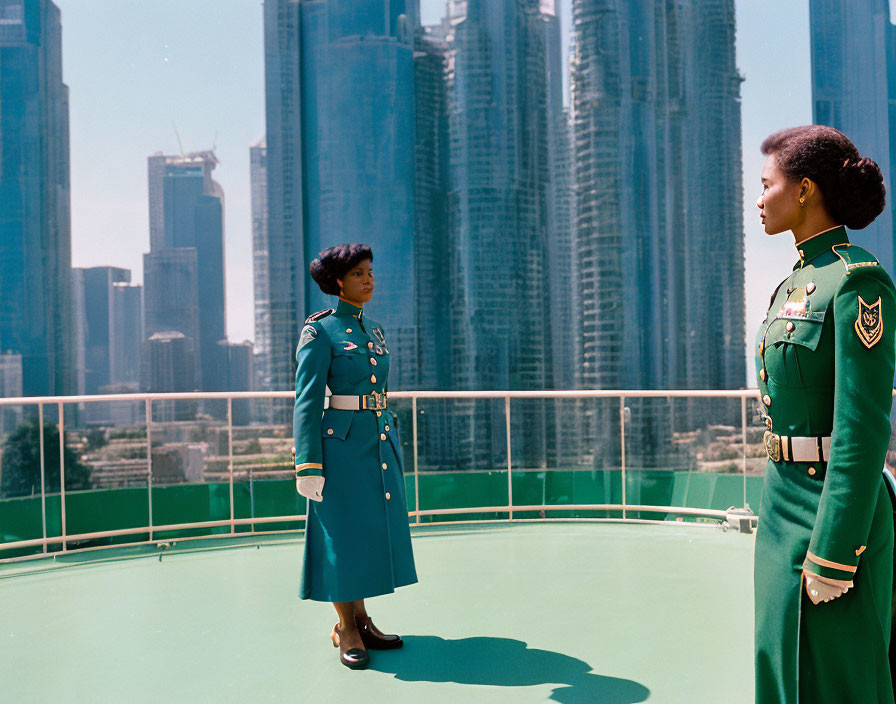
(820, 589)
(310, 487)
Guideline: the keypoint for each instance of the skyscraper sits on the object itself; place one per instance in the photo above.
(711, 168)
(261, 263)
(500, 109)
(656, 104)
(171, 303)
(108, 322)
(339, 82)
(125, 348)
(35, 234)
(854, 90)
(184, 270)
(431, 251)
(98, 321)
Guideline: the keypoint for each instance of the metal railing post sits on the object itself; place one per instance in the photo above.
(509, 463)
(148, 412)
(61, 426)
(622, 445)
(43, 472)
(416, 460)
(743, 429)
(230, 457)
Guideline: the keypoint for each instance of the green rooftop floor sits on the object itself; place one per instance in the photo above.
(525, 612)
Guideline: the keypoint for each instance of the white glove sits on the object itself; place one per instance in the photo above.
(311, 487)
(820, 589)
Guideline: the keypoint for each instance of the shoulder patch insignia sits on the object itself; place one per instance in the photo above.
(318, 316)
(869, 323)
(309, 332)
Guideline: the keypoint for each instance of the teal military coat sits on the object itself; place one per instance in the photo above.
(825, 362)
(357, 540)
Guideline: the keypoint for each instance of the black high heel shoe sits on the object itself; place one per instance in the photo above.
(374, 638)
(353, 658)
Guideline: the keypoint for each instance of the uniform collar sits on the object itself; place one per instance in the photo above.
(347, 309)
(810, 248)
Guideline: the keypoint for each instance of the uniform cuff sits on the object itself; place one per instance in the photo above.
(826, 568)
(309, 469)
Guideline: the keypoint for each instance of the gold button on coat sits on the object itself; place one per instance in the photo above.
(385, 466)
(790, 326)
(388, 496)
(387, 428)
(383, 437)
(372, 379)
(379, 413)
(348, 329)
(762, 374)
(767, 400)
(329, 431)
(811, 471)
(370, 345)
(373, 361)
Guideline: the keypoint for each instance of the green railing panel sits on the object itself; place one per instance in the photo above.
(191, 503)
(116, 509)
(270, 497)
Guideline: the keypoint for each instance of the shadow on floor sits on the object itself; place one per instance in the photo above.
(504, 662)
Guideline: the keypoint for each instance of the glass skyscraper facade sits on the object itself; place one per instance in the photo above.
(98, 317)
(501, 106)
(660, 287)
(854, 90)
(258, 179)
(519, 244)
(184, 270)
(35, 236)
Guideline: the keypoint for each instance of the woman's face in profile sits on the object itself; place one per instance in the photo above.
(779, 205)
(357, 285)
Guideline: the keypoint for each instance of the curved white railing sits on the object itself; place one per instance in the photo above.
(414, 396)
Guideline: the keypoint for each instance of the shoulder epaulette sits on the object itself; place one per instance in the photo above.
(854, 257)
(319, 316)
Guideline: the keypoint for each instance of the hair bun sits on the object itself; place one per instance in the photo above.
(861, 185)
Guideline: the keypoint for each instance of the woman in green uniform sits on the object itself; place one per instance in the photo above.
(825, 362)
(348, 458)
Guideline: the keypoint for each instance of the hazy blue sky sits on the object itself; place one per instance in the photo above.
(135, 69)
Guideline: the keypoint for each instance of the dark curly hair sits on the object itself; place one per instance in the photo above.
(335, 262)
(852, 187)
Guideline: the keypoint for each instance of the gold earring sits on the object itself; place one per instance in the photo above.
(802, 202)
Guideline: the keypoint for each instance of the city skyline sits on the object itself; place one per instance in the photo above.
(760, 278)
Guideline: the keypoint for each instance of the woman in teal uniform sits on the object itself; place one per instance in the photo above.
(348, 458)
(825, 360)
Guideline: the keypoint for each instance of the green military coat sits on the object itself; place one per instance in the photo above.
(825, 362)
(357, 540)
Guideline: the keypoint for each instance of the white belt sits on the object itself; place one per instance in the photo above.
(790, 449)
(370, 402)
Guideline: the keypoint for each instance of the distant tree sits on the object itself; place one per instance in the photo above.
(96, 439)
(20, 468)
